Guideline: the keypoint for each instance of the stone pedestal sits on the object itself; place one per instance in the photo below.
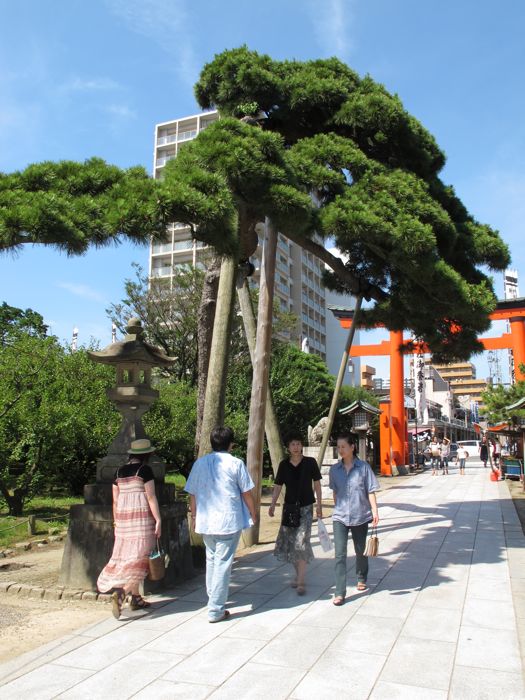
(90, 539)
(330, 457)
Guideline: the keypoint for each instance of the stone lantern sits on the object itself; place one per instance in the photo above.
(90, 535)
(133, 360)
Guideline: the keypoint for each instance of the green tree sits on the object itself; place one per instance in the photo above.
(171, 423)
(497, 397)
(167, 313)
(374, 170)
(71, 206)
(14, 321)
(55, 419)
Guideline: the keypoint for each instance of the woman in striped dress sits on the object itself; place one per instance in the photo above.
(136, 516)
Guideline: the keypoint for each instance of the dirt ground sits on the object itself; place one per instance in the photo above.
(26, 623)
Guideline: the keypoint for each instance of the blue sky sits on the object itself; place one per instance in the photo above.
(81, 79)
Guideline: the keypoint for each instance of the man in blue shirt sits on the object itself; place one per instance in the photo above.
(221, 505)
(354, 485)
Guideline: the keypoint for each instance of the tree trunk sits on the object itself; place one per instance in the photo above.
(271, 424)
(261, 371)
(213, 413)
(206, 316)
(339, 382)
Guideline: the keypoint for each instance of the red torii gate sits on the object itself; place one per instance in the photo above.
(392, 422)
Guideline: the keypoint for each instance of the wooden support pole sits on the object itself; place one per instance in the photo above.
(261, 370)
(339, 382)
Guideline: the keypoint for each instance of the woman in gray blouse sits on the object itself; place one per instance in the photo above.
(354, 485)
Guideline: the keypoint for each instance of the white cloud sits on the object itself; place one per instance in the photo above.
(165, 22)
(91, 85)
(332, 21)
(82, 290)
(121, 111)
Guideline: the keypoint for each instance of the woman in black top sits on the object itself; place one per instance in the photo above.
(297, 474)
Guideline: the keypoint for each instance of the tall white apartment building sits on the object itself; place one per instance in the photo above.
(298, 285)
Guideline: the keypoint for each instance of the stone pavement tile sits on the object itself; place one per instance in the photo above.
(439, 624)
(166, 690)
(99, 629)
(519, 605)
(215, 662)
(397, 691)
(490, 589)
(399, 581)
(422, 548)
(271, 583)
(187, 638)
(104, 651)
(488, 649)
(123, 679)
(495, 570)
(413, 562)
(256, 681)
(296, 648)
(352, 676)
(454, 573)
(368, 634)
(493, 614)
(388, 603)
(199, 595)
(322, 613)
(38, 657)
(170, 616)
(428, 661)
(458, 543)
(264, 623)
(483, 684)
(43, 683)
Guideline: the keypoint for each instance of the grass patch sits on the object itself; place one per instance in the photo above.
(51, 513)
(176, 478)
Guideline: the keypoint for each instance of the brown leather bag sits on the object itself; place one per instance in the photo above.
(372, 546)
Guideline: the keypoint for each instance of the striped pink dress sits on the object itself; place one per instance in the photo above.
(134, 537)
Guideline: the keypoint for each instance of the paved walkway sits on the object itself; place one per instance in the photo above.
(442, 619)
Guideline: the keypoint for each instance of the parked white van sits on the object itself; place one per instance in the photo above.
(472, 447)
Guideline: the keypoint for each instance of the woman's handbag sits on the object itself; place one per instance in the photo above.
(324, 537)
(157, 563)
(372, 546)
(291, 515)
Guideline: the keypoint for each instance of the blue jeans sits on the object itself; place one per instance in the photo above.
(359, 534)
(220, 550)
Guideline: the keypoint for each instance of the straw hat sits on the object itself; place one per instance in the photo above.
(141, 447)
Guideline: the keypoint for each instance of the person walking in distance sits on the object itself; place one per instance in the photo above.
(461, 458)
(484, 451)
(221, 506)
(354, 485)
(435, 455)
(445, 454)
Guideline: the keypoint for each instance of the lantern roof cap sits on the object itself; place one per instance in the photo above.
(517, 405)
(360, 404)
(132, 349)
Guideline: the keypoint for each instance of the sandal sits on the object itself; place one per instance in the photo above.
(361, 586)
(338, 600)
(301, 590)
(117, 601)
(137, 602)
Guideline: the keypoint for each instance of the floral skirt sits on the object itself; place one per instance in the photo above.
(293, 543)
